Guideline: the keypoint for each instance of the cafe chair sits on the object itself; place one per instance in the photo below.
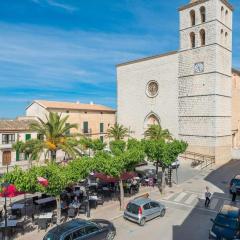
(71, 213)
(42, 224)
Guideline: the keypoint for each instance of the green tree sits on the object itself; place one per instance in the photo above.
(163, 153)
(117, 132)
(56, 136)
(122, 160)
(156, 132)
(117, 147)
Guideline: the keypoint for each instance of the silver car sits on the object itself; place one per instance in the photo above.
(141, 210)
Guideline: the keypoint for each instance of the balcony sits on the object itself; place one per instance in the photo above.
(87, 131)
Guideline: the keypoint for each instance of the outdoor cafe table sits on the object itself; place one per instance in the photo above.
(45, 200)
(45, 215)
(17, 206)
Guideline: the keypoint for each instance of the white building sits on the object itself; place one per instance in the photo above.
(188, 91)
(12, 131)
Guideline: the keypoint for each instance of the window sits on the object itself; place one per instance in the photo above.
(8, 138)
(203, 37)
(192, 16)
(154, 204)
(192, 39)
(40, 136)
(203, 14)
(68, 131)
(226, 37)
(91, 229)
(101, 127)
(147, 206)
(78, 233)
(222, 13)
(68, 237)
(85, 127)
(27, 137)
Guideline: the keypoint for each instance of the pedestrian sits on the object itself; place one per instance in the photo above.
(207, 197)
(234, 192)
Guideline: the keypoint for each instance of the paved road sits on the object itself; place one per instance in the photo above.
(186, 217)
(180, 223)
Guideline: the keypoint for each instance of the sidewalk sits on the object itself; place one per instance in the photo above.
(109, 210)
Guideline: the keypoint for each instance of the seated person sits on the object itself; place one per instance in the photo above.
(75, 201)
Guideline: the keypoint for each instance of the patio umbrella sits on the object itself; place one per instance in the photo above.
(108, 179)
(10, 191)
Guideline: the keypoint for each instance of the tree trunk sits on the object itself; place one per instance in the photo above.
(163, 183)
(121, 194)
(53, 155)
(58, 210)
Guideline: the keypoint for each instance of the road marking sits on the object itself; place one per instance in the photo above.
(180, 197)
(227, 202)
(190, 207)
(213, 203)
(169, 196)
(191, 199)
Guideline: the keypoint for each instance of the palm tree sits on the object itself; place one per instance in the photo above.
(55, 132)
(156, 132)
(118, 132)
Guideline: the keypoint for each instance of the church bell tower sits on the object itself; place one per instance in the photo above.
(204, 77)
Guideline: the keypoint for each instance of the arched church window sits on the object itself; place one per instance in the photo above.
(203, 14)
(193, 17)
(151, 119)
(193, 39)
(203, 37)
(222, 13)
(226, 17)
(226, 37)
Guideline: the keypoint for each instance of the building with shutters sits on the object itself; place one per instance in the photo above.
(194, 91)
(92, 120)
(12, 131)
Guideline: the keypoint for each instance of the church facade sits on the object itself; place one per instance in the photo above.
(193, 92)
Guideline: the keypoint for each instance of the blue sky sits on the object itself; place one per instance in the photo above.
(67, 49)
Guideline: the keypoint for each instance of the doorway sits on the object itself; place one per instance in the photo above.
(6, 160)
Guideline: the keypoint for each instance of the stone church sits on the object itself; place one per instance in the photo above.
(194, 92)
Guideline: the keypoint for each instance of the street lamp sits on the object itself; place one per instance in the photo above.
(87, 193)
(5, 187)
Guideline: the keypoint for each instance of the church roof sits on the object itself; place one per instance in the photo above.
(147, 58)
(72, 106)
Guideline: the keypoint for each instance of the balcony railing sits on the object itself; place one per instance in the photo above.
(87, 131)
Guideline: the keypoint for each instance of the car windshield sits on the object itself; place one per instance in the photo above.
(225, 221)
(50, 236)
(236, 181)
(132, 208)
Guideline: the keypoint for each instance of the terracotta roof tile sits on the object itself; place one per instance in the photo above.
(73, 106)
(15, 125)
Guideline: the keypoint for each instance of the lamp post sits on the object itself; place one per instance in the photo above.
(5, 186)
(88, 206)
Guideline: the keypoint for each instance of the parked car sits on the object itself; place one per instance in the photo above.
(174, 165)
(141, 210)
(79, 229)
(235, 180)
(226, 224)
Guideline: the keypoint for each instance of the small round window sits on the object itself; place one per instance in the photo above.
(152, 89)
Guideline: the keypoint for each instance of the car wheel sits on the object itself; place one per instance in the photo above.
(110, 235)
(142, 222)
(162, 213)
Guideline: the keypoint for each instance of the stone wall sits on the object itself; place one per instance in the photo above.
(133, 103)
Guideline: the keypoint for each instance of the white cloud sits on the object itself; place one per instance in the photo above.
(45, 57)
